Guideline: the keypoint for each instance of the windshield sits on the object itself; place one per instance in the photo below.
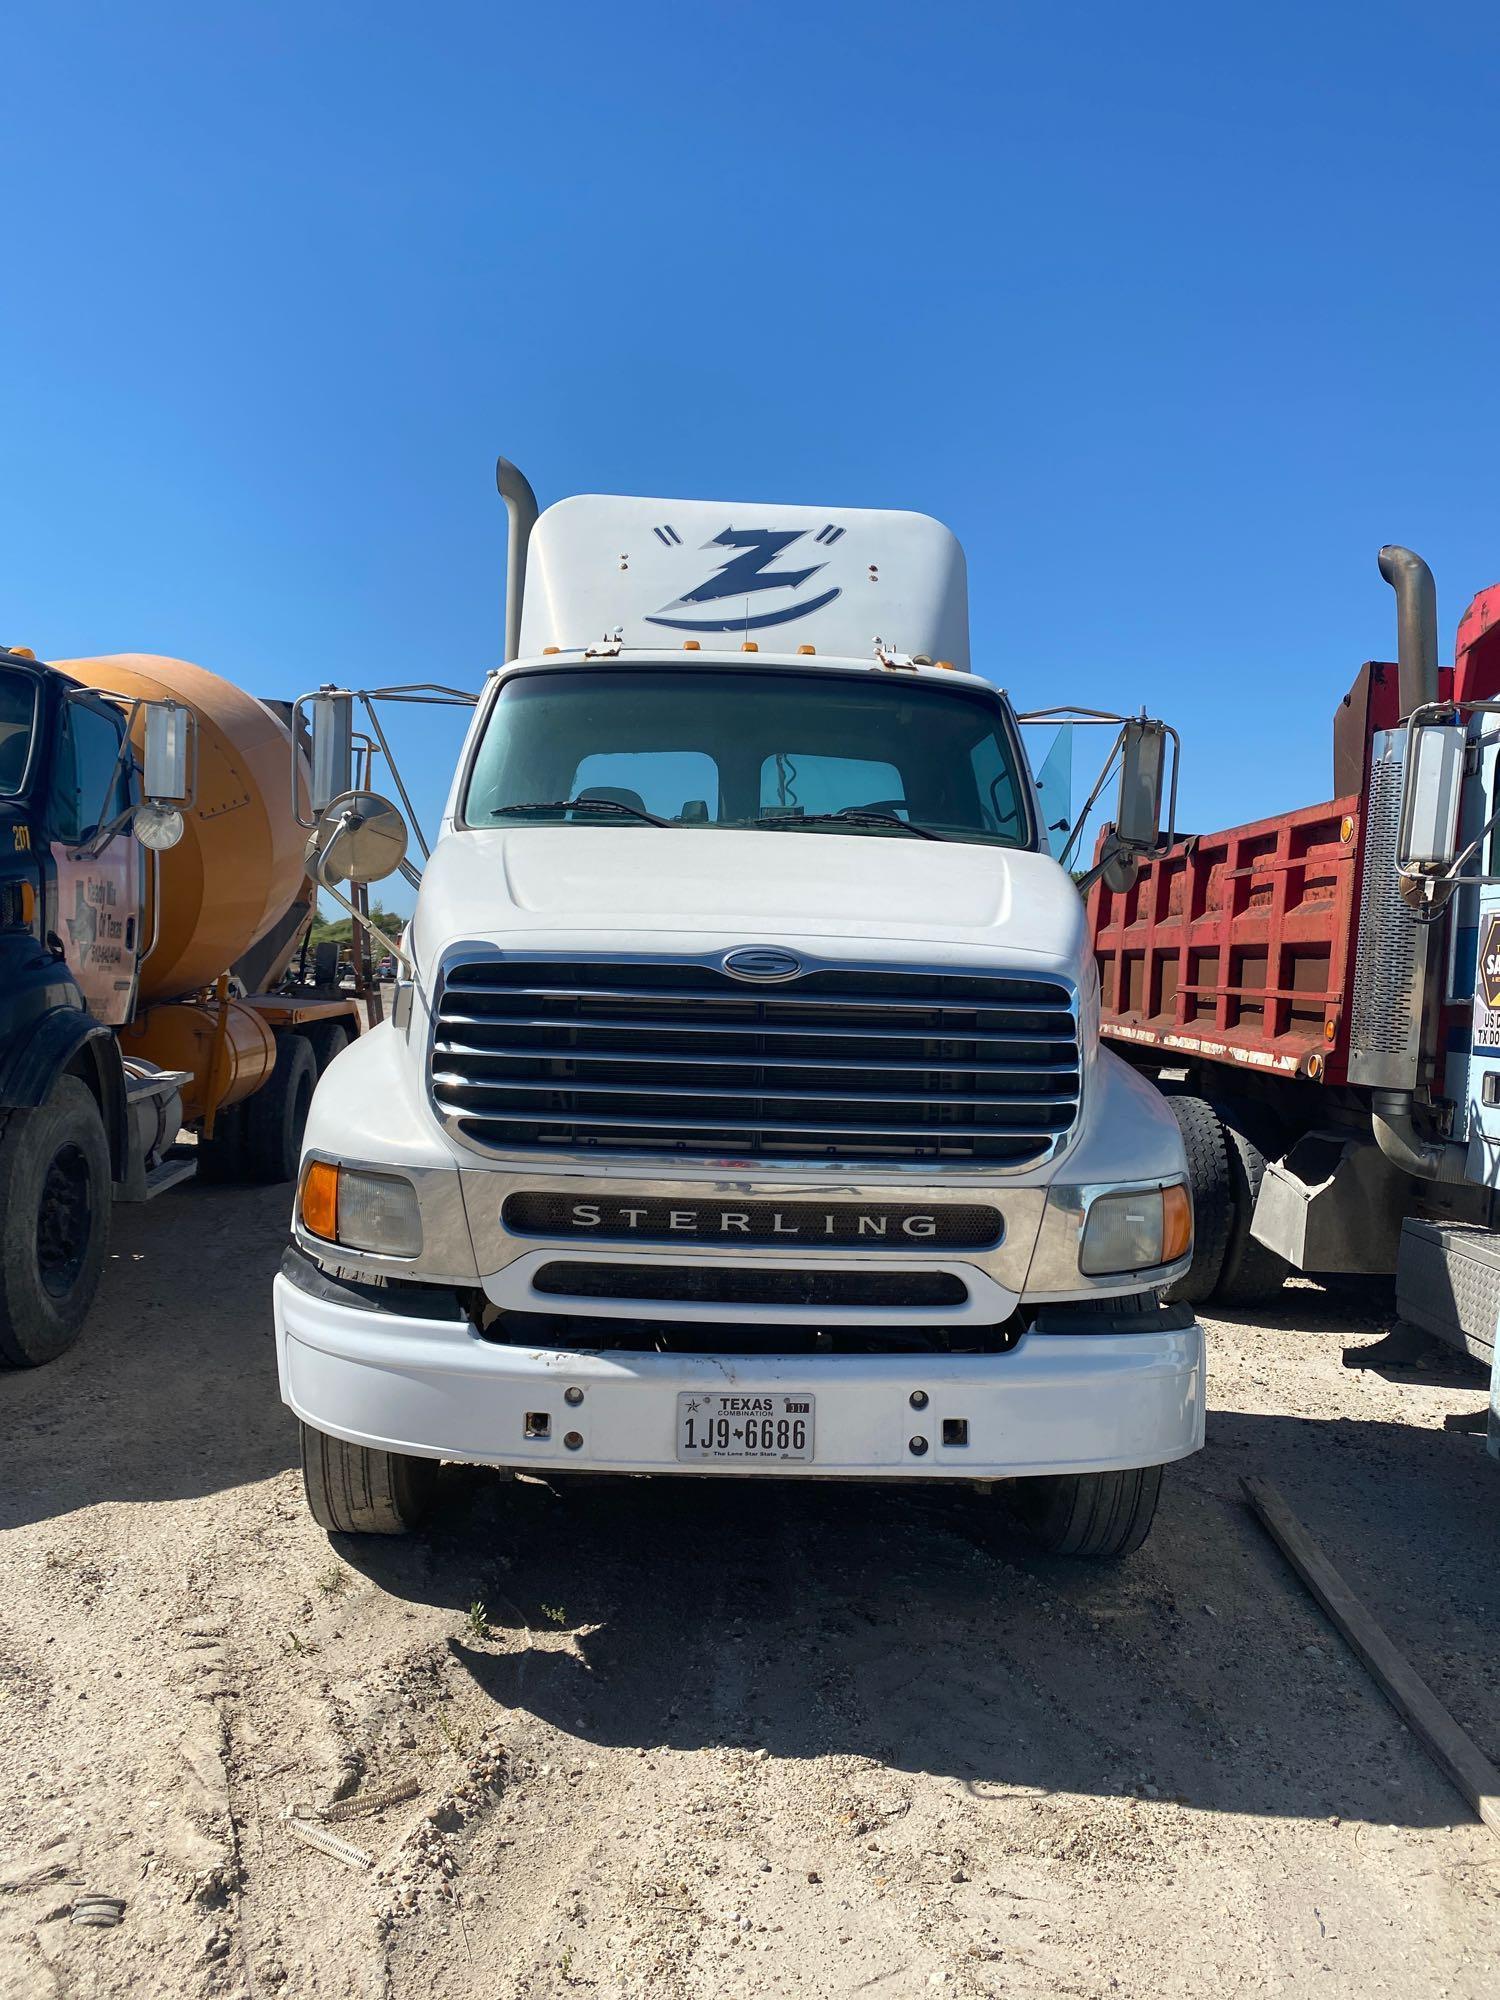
(770, 750)
(17, 721)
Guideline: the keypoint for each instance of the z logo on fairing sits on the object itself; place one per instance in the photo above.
(741, 575)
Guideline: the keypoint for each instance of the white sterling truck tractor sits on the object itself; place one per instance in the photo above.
(742, 1109)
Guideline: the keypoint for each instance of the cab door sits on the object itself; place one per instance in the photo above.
(98, 913)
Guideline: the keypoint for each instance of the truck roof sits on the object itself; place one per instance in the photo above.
(656, 574)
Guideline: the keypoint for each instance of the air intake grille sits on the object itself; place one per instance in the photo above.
(579, 1055)
(1390, 953)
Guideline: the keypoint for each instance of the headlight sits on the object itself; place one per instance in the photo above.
(376, 1212)
(1136, 1230)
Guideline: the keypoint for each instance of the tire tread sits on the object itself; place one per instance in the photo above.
(1251, 1272)
(1207, 1150)
(353, 1490)
(1097, 1515)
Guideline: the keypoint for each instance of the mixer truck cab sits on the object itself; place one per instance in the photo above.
(743, 1111)
(147, 845)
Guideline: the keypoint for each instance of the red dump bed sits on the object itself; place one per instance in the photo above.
(1239, 945)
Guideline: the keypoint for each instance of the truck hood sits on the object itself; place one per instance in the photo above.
(555, 886)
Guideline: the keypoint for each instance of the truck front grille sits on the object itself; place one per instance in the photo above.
(676, 1057)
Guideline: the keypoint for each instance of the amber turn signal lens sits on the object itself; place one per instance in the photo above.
(1176, 1223)
(319, 1201)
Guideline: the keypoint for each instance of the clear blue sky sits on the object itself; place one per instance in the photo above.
(1173, 313)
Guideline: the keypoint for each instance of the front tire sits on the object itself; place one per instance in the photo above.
(1096, 1514)
(352, 1490)
(54, 1223)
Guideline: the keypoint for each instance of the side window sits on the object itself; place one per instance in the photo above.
(827, 784)
(997, 787)
(87, 789)
(673, 784)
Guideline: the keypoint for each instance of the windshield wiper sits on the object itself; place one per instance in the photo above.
(850, 816)
(580, 805)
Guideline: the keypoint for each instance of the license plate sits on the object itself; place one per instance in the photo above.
(712, 1425)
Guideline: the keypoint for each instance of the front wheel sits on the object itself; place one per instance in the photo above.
(352, 1490)
(1088, 1513)
(54, 1222)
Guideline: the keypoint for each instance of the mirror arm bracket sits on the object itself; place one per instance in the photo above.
(393, 945)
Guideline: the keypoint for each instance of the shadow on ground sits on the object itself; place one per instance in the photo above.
(916, 1628)
(911, 1627)
(170, 1391)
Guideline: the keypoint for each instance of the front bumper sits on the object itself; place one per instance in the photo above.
(1072, 1402)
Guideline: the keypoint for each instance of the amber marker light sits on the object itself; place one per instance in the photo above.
(319, 1200)
(1176, 1223)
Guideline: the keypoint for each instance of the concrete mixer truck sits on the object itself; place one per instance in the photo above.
(148, 843)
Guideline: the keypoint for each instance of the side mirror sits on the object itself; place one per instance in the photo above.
(360, 838)
(333, 750)
(1142, 763)
(1430, 800)
(169, 737)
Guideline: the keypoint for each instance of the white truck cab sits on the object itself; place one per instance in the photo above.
(743, 1109)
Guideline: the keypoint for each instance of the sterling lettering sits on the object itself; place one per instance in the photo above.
(738, 1222)
(872, 1226)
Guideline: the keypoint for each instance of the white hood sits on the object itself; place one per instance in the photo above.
(555, 887)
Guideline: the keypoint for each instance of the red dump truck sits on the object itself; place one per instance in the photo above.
(1314, 1024)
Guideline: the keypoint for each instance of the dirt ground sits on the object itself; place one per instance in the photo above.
(692, 1740)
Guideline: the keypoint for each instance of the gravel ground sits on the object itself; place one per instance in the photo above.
(692, 1740)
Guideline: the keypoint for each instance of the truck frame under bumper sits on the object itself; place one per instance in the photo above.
(434, 1388)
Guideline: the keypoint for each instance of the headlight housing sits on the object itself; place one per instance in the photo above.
(362, 1211)
(1136, 1230)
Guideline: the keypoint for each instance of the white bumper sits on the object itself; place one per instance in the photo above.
(433, 1388)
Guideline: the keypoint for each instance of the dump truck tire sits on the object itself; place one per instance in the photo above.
(1095, 1514)
(352, 1490)
(55, 1199)
(1207, 1149)
(1251, 1274)
(276, 1116)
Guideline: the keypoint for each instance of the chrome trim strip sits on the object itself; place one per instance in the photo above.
(718, 1060)
(1054, 1272)
(636, 1026)
(447, 1253)
(486, 1190)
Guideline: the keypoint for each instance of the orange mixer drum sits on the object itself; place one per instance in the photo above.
(239, 863)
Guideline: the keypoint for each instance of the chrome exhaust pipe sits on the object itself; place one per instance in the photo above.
(1416, 625)
(514, 489)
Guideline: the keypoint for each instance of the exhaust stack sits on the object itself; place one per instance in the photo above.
(520, 505)
(1416, 625)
